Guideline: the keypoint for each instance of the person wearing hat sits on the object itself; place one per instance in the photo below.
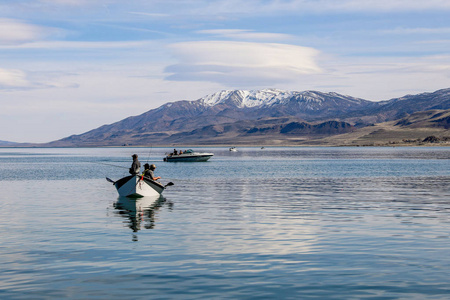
(148, 172)
(135, 166)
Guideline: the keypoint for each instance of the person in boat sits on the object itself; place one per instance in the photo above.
(148, 172)
(135, 166)
(181, 152)
(175, 152)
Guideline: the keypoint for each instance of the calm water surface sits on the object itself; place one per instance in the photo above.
(278, 223)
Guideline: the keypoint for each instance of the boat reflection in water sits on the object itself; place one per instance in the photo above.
(139, 212)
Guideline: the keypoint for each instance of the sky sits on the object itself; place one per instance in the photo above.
(70, 66)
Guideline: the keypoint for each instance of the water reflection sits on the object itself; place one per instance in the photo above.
(139, 212)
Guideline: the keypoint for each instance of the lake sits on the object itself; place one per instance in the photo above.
(273, 223)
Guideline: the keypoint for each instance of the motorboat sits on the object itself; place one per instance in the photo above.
(136, 186)
(188, 156)
(233, 149)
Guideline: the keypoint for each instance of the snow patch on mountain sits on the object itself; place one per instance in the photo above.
(269, 97)
(242, 98)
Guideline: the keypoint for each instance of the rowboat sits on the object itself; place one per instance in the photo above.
(188, 156)
(136, 186)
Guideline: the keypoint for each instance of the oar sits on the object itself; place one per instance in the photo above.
(110, 180)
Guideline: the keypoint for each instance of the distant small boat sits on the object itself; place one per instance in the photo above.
(188, 156)
(136, 186)
(233, 149)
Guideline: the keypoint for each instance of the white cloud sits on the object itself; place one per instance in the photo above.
(235, 63)
(78, 45)
(10, 79)
(418, 30)
(210, 9)
(66, 2)
(16, 32)
(153, 15)
(103, 94)
(241, 34)
(20, 80)
(390, 5)
(232, 8)
(307, 6)
(381, 78)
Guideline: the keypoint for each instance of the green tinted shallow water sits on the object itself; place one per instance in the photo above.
(278, 223)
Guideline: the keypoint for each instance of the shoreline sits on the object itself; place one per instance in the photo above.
(391, 145)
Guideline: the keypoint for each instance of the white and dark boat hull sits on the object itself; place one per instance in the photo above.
(136, 186)
(188, 157)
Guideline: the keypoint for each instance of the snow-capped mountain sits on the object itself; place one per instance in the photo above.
(243, 99)
(232, 106)
(271, 97)
(246, 112)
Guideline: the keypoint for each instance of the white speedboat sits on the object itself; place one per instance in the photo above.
(136, 186)
(233, 149)
(188, 156)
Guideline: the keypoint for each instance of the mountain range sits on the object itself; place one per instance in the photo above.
(7, 144)
(268, 117)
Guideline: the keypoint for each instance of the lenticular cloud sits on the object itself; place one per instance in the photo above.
(238, 62)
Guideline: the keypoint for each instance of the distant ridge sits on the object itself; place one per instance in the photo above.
(240, 116)
(6, 143)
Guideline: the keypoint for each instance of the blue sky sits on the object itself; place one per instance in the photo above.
(69, 66)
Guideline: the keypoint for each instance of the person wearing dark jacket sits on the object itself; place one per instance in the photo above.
(148, 172)
(135, 166)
